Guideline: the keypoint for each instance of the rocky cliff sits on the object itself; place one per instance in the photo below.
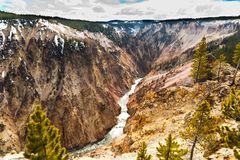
(163, 45)
(162, 104)
(78, 76)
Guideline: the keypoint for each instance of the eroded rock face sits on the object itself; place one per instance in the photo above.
(163, 103)
(76, 76)
(163, 45)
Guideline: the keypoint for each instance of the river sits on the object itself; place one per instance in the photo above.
(117, 130)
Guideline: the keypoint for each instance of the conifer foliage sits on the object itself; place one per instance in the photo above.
(142, 153)
(236, 60)
(43, 139)
(220, 62)
(231, 109)
(200, 69)
(231, 105)
(230, 138)
(171, 150)
(200, 126)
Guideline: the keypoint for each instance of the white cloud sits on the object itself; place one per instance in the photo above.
(130, 11)
(18, 6)
(113, 9)
(98, 9)
(108, 2)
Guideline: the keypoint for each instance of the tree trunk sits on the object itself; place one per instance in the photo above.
(45, 152)
(169, 149)
(193, 147)
(235, 74)
(199, 63)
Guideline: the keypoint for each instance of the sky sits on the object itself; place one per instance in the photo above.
(104, 10)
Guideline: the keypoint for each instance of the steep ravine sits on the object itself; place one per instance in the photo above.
(76, 76)
(117, 130)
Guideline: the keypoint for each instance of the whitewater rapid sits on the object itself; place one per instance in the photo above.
(117, 130)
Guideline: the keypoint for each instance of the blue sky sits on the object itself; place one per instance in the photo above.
(4, 5)
(124, 9)
(125, 1)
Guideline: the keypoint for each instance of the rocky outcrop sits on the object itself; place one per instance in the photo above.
(163, 45)
(79, 76)
(76, 76)
(163, 103)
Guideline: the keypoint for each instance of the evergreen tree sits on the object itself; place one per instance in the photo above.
(236, 60)
(142, 153)
(171, 150)
(231, 105)
(230, 138)
(43, 139)
(200, 126)
(200, 69)
(220, 61)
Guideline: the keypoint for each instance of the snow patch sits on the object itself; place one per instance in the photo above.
(20, 28)
(68, 32)
(59, 41)
(3, 25)
(3, 74)
(13, 33)
(62, 44)
(105, 25)
(134, 31)
(78, 45)
(2, 39)
(221, 22)
(119, 31)
(56, 40)
(60, 29)
(82, 44)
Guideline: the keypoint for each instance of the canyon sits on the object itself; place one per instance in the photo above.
(79, 75)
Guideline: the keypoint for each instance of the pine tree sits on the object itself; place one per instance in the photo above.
(43, 139)
(220, 60)
(200, 126)
(230, 138)
(231, 105)
(236, 60)
(142, 153)
(171, 150)
(200, 69)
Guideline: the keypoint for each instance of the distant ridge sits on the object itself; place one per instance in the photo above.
(8, 15)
